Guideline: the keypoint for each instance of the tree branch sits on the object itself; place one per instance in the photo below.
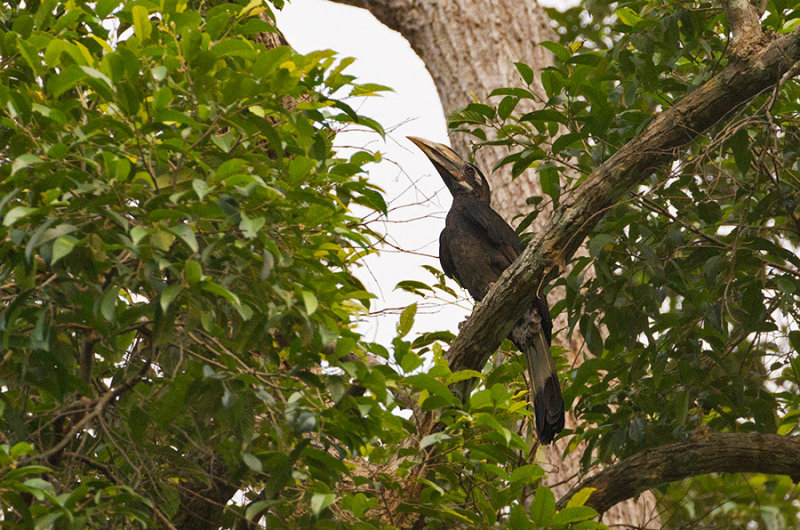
(99, 405)
(392, 13)
(713, 453)
(745, 26)
(647, 153)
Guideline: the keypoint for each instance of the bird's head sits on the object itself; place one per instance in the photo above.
(459, 176)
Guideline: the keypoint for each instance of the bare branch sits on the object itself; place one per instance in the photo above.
(710, 453)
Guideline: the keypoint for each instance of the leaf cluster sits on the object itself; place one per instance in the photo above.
(177, 246)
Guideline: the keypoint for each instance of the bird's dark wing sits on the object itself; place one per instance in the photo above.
(445, 258)
(499, 233)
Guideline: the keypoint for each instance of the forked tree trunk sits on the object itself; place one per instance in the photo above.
(469, 48)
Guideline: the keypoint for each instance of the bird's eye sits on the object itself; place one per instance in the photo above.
(469, 171)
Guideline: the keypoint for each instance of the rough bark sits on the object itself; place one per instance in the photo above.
(710, 453)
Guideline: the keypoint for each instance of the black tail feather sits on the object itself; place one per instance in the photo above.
(545, 390)
(548, 407)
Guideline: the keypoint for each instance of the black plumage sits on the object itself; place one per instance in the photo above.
(475, 247)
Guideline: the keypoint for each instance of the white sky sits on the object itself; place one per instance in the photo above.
(417, 198)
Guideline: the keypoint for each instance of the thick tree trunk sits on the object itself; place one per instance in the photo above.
(469, 48)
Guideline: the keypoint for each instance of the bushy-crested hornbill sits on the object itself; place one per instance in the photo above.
(475, 247)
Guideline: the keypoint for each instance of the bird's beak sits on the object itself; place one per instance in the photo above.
(449, 165)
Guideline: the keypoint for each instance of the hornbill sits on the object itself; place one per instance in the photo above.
(475, 247)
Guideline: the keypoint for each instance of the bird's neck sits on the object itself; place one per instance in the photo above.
(470, 198)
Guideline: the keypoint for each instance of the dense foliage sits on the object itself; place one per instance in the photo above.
(176, 245)
(178, 304)
(689, 297)
(178, 299)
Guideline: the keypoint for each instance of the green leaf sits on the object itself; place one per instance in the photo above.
(109, 304)
(463, 375)
(600, 243)
(310, 301)
(141, 22)
(573, 514)
(580, 498)
(224, 141)
(480, 399)
(545, 115)
(506, 107)
(255, 508)
(794, 340)
(252, 462)
(250, 227)
(543, 507)
(26, 470)
(233, 48)
(525, 71)
(488, 420)
(413, 286)
(169, 294)
(740, 146)
(433, 439)
(518, 519)
(320, 501)
(369, 89)
(559, 50)
(552, 82)
(300, 168)
(105, 7)
(20, 449)
(433, 386)
(137, 234)
(215, 288)
(62, 247)
(410, 362)
(201, 188)
(23, 161)
(527, 474)
(628, 16)
(565, 140)
(193, 272)
(551, 183)
(406, 320)
(591, 334)
(520, 93)
(187, 236)
(37, 487)
(17, 213)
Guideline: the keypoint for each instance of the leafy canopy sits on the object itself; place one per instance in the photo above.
(177, 240)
